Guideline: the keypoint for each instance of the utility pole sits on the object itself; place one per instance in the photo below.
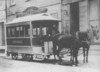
(6, 10)
(5, 26)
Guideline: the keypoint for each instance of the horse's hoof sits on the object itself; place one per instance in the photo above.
(59, 62)
(73, 65)
(86, 61)
(83, 61)
(56, 63)
(71, 62)
(76, 64)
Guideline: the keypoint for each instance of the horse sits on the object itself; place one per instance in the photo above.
(66, 41)
(73, 43)
(85, 41)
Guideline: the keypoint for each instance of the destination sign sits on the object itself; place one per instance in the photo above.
(19, 41)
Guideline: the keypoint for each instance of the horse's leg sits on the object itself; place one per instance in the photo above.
(54, 56)
(58, 52)
(54, 51)
(72, 57)
(87, 54)
(75, 56)
(83, 54)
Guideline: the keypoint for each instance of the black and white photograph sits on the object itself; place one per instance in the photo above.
(49, 35)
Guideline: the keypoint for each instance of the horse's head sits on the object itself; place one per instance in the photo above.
(95, 31)
(84, 37)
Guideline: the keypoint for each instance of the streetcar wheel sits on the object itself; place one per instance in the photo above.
(23, 56)
(8, 53)
(28, 57)
(31, 57)
(14, 56)
(46, 58)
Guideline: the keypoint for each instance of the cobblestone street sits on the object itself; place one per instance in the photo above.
(9, 65)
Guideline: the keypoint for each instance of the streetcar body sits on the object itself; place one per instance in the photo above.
(30, 36)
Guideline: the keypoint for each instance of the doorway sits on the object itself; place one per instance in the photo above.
(74, 17)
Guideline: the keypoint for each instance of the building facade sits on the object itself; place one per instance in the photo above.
(2, 28)
(81, 15)
(75, 15)
(94, 19)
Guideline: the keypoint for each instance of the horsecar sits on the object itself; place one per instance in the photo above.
(30, 36)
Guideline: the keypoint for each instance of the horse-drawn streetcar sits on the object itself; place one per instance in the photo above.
(30, 36)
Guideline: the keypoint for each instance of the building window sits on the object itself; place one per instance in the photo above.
(12, 2)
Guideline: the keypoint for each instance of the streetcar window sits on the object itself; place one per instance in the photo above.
(27, 31)
(36, 30)
(22, 31)
(44, 31)
(8, 32)
(49, 29)
(12, 31)
(17, 31)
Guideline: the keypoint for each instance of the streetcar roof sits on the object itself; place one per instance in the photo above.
(37, 17)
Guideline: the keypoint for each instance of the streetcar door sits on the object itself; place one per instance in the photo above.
(42, 33)
(37, 44)
(46, 34)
